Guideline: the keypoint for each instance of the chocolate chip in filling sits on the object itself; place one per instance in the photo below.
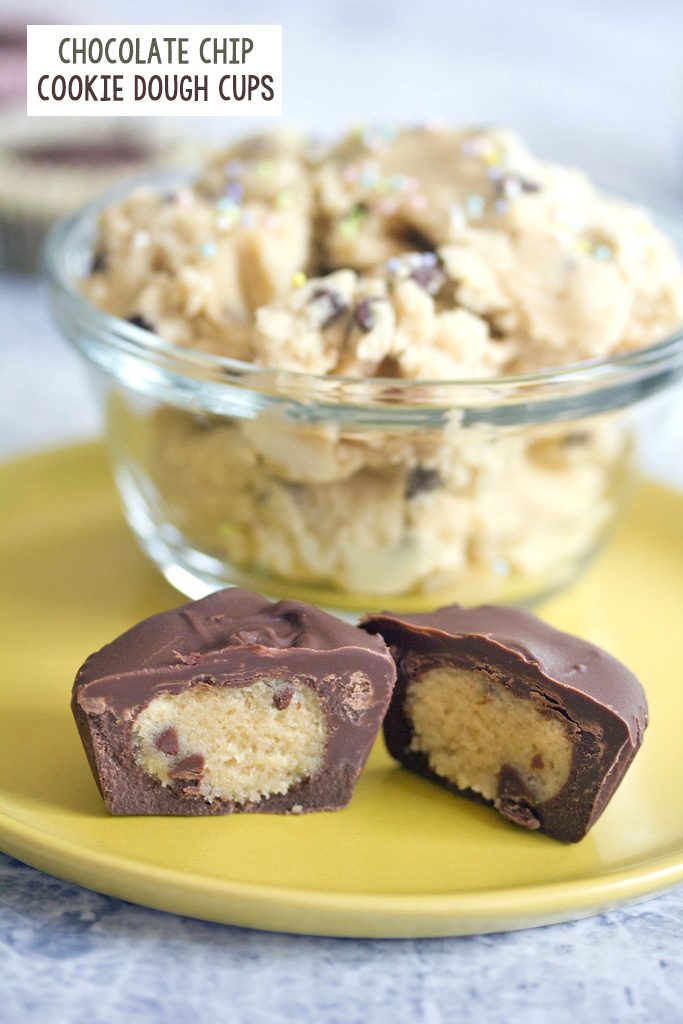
(481, 736)
(238, 744)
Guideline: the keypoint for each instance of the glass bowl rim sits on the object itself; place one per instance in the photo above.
(573, 378)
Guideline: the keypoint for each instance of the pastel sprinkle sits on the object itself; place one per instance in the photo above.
(393, 265)
(184, 197)
(501, 206)
(457, 218)
(418, 201)
(469, 147)
(225, 223)
(247, 218)
(474, 205)
(603, 252)
(233, 168)
(283, 200)
(349, 225)
(476, 145)
(299, 279)
(235, 191)
(493, 158)
(379, 136)
(209, 250)
(265, 168)
(512, 187)
(349, 228)
(226, 205)
(388, 207)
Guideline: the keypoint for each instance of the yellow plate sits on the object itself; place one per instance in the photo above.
(405, 858)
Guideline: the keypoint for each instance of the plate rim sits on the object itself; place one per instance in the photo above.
(316, 911)
(506, 908)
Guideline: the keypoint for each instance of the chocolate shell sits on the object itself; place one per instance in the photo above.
(600, 701)
(231, 639)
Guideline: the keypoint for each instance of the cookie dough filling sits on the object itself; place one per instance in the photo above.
(237, 744)
(495, 705)
(474, 731)
(232, 705)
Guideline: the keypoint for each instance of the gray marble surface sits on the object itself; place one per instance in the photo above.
(591, 81)
(74, 957)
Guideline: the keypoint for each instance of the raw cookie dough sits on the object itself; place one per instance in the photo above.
(384, 191)
(537, 267)
(420, 514)
(420, 254)
(552, 264)
(195, 263)
(404, 323)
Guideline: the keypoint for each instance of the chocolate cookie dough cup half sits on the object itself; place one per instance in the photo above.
(232, 704)
(495, 705)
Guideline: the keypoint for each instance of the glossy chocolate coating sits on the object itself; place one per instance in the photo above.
(231, 639)
(600, 699)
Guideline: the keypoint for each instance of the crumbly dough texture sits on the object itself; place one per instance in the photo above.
(193, 264)
(403, 322)
(424, 253)
(252, 744)
(527, 264)
(470, 726)
(558, 270)
(388, 514)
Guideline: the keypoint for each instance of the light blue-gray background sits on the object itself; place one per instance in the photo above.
(590, 82)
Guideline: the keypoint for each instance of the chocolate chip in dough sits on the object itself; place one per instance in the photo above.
(420, 479)
(330, 306)
(364, 314)
(139, 321)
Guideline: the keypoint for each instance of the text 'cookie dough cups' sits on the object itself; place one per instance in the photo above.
(361, 436)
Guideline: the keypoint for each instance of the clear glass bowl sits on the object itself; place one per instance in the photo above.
(356, 494)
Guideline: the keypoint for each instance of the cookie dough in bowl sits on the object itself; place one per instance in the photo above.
(402, 366)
